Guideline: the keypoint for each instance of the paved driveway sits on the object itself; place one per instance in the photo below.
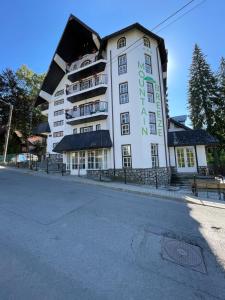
(64, 240)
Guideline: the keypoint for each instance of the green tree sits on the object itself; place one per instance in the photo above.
(202, 92)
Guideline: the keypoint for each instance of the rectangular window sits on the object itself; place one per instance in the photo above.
(148, 64)
(152, 123)
(86, 129)
(58, 112)
(125, 123)
(150, 92)
(82, 159)
(59, 93)
(58, 123)
(58, 102)
(123, 92)
(126, 156)
(98, 127)
(155, 155)
(74, 158)
(57, 133)
(75, 131)
(122, 64)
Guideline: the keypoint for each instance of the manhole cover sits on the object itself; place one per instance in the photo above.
(183, 254)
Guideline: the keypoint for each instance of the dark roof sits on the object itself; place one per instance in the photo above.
(75, 40)
(82, 141)
(178, 124)
(41, 128)
(191, 138)
(162, 49)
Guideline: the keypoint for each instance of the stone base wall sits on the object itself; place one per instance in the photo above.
(161, 176)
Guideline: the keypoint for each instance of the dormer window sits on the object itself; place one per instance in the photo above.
(121, 43)
(146, 42)
(85, 63)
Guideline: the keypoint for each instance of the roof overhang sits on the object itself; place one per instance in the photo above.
(76, 40)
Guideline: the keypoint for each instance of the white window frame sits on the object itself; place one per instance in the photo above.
(123, 93)
(122, 64)
(152, 122)
(155, 155)
(121, 42)
(148, 64)
(126, 156)
(150, 92)
(125, 123)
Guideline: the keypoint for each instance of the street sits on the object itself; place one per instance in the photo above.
(66, 240)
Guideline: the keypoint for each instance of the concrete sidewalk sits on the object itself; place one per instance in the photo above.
(177, 195)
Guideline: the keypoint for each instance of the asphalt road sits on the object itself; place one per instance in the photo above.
(64, 240)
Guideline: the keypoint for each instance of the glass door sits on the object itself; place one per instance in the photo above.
(186, 161)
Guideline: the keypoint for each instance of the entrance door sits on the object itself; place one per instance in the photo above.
(186, 161)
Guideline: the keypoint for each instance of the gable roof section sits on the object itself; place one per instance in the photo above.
(191, 138)
(76, 39)
(162, 49)
(82, 141)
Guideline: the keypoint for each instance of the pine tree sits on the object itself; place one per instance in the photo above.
(202, 92)
(220, 105)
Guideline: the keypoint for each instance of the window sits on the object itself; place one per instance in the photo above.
(85, 63)
(54, 145)
(58, 102)
(57, 133)
(75, 131)
(86, 84)
(74, 158)
(148, 64)
(122, 64)
(121, 42)
(98, 127)
(58, 123)
(59, 93)
(86, 129)
(150, 92)
(152, 123)
(125, 123)
(146, 42)
(123, 93)
(126, 156)
(97, 159)
(82, 159)
(155, 155)
(58, 112)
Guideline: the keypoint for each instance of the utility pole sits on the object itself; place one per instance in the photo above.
(8, 130)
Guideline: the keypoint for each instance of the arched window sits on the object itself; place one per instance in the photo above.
(85, 63)
(146, 42)
(121, 42)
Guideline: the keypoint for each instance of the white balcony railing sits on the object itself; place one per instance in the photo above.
(83, 62)
(87, 110)
(86, 84)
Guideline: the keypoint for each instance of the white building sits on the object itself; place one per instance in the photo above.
(106, 102)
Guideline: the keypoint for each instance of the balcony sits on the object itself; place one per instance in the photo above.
(88, 113)
(88, 65)
(88, 88)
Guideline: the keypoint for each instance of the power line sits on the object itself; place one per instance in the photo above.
(162, 22)
(172, 15)
(181, 15)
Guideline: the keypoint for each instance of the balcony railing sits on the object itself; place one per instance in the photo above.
(82, 62)
(87, 84)
(88, 110)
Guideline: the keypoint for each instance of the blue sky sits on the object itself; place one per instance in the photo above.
(30, 31)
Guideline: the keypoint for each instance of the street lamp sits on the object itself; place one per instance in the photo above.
(8, 130)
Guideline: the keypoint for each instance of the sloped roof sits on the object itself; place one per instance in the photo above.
(76, 40)
(191, 138)
(82, 141)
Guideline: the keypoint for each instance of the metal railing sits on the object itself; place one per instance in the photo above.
(87, 110)
(86, 84)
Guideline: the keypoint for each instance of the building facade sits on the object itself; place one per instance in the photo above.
(105, 101)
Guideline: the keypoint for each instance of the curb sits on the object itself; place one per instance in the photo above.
(128, 188)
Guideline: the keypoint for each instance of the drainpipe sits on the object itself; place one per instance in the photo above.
(162, 95)
(113, 137)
